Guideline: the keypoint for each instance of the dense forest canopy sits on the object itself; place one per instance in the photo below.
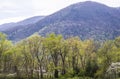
(55, 57)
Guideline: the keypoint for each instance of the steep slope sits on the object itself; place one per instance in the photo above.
(84, 19)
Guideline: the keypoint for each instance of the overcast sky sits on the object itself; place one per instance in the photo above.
(16, 10)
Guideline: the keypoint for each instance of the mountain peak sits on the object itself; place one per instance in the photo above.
(89, 4)
(85, 20)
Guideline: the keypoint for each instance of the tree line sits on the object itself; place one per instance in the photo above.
(55, 57)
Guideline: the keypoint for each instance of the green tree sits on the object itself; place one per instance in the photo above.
(4, 47)
(105, 57)
(53, 43)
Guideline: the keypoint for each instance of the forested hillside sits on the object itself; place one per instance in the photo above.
(52, 57)
(85, 20)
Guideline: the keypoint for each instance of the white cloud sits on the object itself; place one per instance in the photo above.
(13, 19)
(112, 3)
(45, 7)
(6, 5)
(15, 8)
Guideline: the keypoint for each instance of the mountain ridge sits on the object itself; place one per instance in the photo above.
(31, 20)
(85, 19)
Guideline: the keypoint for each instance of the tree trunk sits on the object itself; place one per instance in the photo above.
(5, 68)
(82, 63)
(38, 76)
(56, 70)
(56, 73)
(32, 69)
(31, 72)
(16, 71)
(63, 69)
(41, 72)
(27, 72)
(73, 63)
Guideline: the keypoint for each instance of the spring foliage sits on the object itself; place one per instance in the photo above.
(55, 57)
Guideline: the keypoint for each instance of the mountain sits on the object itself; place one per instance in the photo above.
(85, 19)
(32, 20)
